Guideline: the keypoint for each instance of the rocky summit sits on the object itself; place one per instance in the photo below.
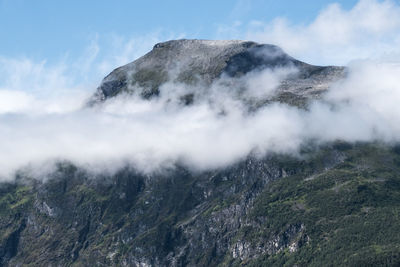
(334, 204)
(202, 62)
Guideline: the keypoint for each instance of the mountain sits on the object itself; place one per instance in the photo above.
(203, 62)
(334, 204)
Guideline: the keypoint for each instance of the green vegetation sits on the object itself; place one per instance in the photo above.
(332, 206)
(350, 213)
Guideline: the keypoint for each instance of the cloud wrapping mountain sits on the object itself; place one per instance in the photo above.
(42, 118)
(214, 132)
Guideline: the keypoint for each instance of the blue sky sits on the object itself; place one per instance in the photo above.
(47, 29)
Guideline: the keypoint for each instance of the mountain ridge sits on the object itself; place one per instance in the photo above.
(192, 62)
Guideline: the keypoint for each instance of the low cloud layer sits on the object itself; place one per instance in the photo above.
(149, 135)
(155, 134)
(42, 118)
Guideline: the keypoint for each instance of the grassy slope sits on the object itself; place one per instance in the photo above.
(351, 213)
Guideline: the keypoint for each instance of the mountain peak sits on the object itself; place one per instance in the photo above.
(198, 42)
(194, 61)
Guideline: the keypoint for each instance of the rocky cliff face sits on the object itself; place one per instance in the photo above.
(338, 204)
(335, 203)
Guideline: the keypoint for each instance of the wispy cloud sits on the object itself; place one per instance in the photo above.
(336, 36)
(28, 85)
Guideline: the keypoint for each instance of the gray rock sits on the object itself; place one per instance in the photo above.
(202, 62)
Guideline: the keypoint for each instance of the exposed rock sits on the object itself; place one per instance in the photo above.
(202, 62)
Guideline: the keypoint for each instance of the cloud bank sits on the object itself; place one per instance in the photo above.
(42, 118)
(154, 134)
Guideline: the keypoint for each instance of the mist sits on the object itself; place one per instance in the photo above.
(158, 133)
(44, 119)
(147, 134)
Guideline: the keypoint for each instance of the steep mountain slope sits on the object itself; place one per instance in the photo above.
(337, 206)
(333, 204)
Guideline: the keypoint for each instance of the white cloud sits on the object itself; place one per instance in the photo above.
(153, 134)
(33, 86)
(28, 86)
(41, 119)
(264, 84)
(371, 94)
(335, 37)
